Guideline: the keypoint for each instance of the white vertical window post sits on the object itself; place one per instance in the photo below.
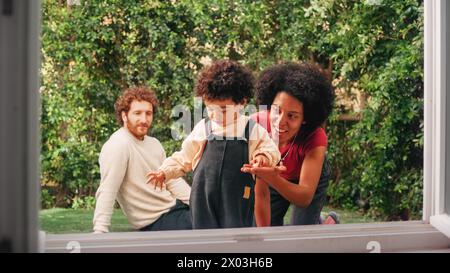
(19, 133)
(436, 99)
(447, 77)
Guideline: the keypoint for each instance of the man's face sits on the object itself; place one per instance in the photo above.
(139, 118)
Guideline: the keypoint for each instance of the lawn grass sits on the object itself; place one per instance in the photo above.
(58, 220)
(345, 216)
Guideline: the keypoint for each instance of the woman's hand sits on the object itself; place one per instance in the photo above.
(157, 178)
(268, 174)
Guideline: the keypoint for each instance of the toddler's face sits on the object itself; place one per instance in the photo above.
(223, 112)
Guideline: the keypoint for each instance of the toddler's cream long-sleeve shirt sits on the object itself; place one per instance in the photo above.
(191, 151)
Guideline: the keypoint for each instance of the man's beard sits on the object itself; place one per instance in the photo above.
(134, 129)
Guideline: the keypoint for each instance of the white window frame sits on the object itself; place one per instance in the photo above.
(408, 236)
(19, 123)
(430, 234)
(437, 116)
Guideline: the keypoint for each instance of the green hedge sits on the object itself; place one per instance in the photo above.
(92, 51)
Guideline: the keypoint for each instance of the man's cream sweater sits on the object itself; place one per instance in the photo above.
(124, 162)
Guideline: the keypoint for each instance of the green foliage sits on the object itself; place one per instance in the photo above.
(93, 51)
(47, 199)
(87, 202)
(380, 47)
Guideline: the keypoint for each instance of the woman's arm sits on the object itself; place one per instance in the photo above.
(299, 194)
(262, 203)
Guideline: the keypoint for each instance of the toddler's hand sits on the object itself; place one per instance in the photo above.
(260, 161)
(157, 178)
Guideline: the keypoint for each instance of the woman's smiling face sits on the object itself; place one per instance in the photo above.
(286, 117)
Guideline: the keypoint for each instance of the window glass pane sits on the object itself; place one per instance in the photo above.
(91, 50)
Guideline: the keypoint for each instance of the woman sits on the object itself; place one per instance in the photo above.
(300, 99)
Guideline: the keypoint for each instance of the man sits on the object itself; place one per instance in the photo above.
(124, 161)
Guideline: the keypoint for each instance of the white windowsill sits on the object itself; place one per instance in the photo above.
(409, 236)
(442, 223)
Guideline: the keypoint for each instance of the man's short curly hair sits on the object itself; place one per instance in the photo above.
(304, 82)
(139, 93)
(225, 79)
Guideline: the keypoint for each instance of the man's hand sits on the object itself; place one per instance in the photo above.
(157, 178)
(260, 161)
